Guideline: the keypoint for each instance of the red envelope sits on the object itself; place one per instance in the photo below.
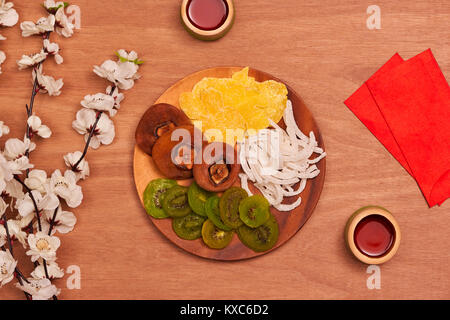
(362, 104)
(414, 99)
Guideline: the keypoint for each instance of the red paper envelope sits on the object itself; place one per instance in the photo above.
(414, 99)
(362, 104)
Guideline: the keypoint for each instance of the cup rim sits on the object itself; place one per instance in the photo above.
(208, 34)
(351, 227)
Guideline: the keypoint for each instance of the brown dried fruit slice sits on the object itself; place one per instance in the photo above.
(219, 168)
(175, 151)
(157, 120)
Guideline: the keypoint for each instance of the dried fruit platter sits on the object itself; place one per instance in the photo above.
(289, 223)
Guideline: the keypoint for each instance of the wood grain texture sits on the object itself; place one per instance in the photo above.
(325, 52)
(145, 170)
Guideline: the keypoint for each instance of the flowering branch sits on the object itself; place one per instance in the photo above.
(14, 161)
(38, 199)
(8, 18)
(17, 273)
(91, 134)
(34, 92)
(36, 210)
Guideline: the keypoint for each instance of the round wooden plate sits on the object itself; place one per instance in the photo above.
(289, 222)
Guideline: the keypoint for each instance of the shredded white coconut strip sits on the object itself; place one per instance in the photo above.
(276, 159)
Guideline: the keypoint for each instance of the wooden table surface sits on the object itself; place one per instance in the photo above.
(324, 51)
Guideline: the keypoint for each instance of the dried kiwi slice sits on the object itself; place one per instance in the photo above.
(262, 238)
(197, 198)
(175, 202)
(229, 206)
(214, 237)
(254, 210)
(213, 213)
(153, 196)
(188, 227)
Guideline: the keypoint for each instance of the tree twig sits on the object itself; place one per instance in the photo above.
(91, 134)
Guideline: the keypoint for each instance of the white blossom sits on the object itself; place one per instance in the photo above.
(6, 173)
(42, 26)
(108, 70)
(7, 267)
(118, 98)
(64, 221)
(52, 48)
(131, 56)
(121, 74)
(53, 270)
(20, 164)
(3, 237)
(38, 128)
(123, 55)
(82, 169)
(8, 15)
(52, 6)
(47, 84)
(15, 148)
(98, 102)
(24, 222)
(33, 60)
(63, 26)
(3, 207)
(42, 246)
(26, 208)
(16, 232)
(66, 187)
(37, 180)
(14, 189)
(4, 129)
(127, 75)
(39, 289)
(104, 132)
(2, 55)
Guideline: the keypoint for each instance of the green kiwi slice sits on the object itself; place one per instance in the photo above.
(188, 227)
(175, 202)
(214, 237)
(153, 197)
(254, 210)
(197, 198)
(229, 206)
(262, 238)
(213, 213)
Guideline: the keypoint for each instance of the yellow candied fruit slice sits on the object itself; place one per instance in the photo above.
(241, 75)
(239, 102)
(243, 78)
(226, 123)
(192, 108)
(274, 88)
(256, 118)
(219, 84)
(211, 99)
